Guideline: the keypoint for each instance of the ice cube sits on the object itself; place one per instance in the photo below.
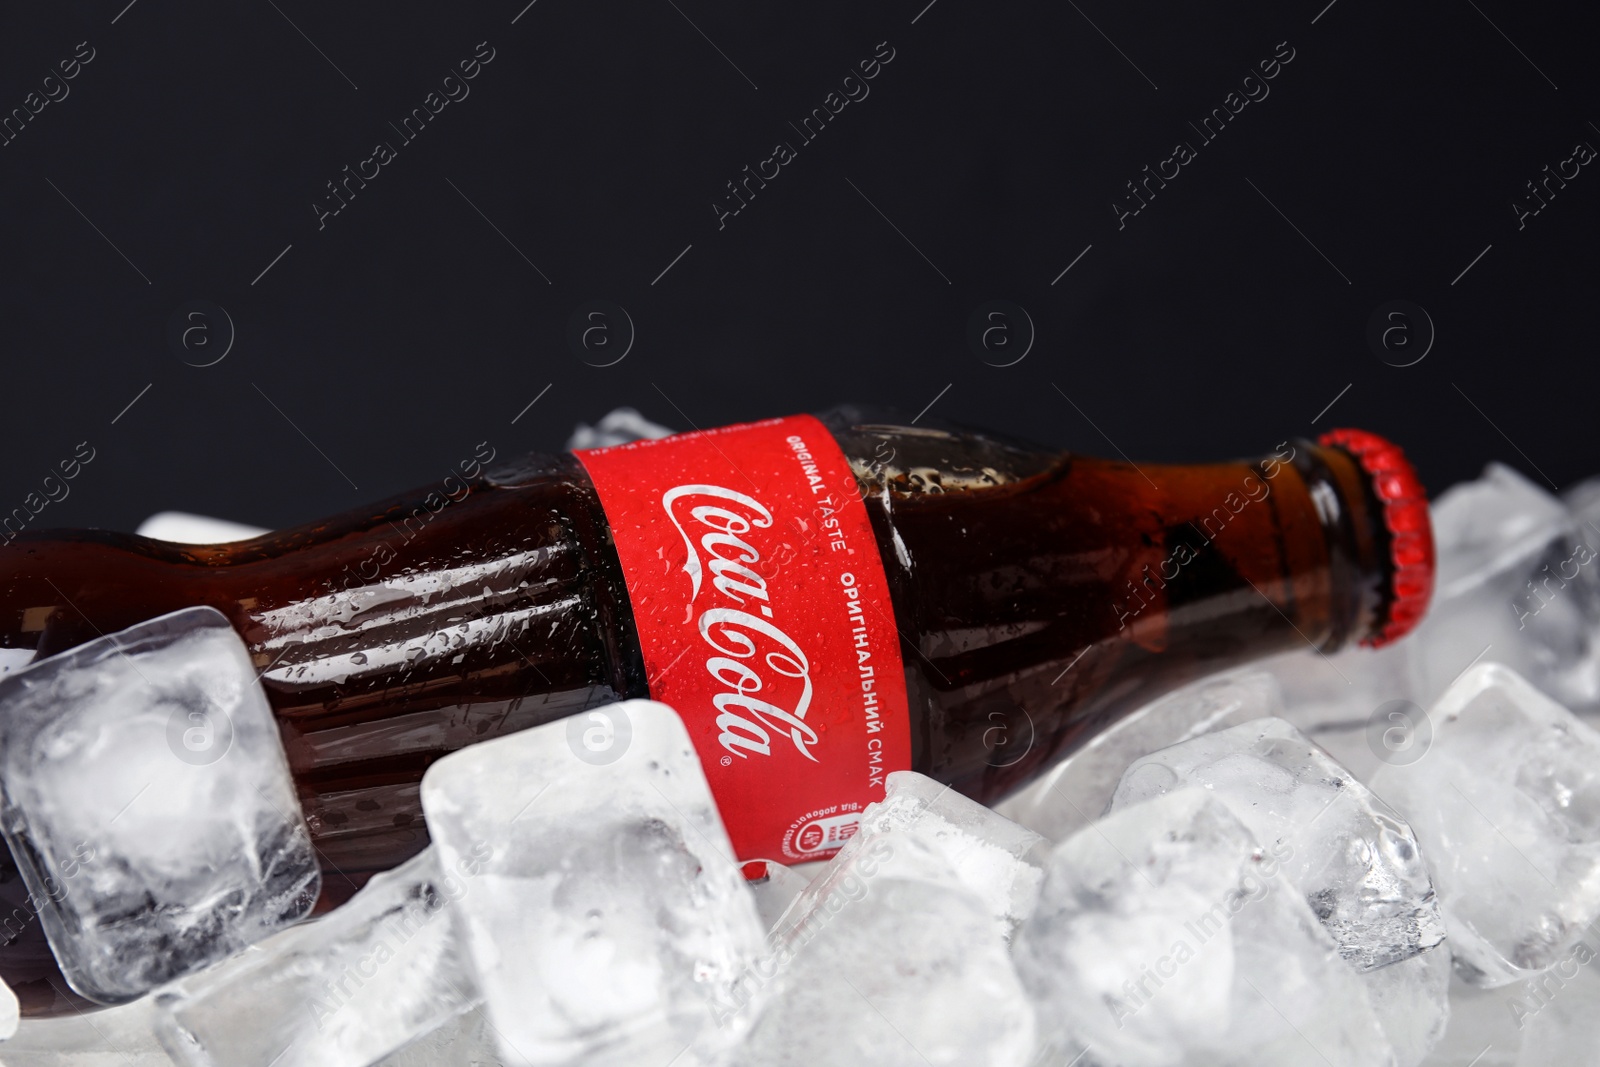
(1349, 854)
(1583, 499)
(1480, 527)
(1484, 1031)
(1000, 861)
(1360, 705)
(605, 918)
(1078, 789)
(10, 1011)
(1506, 806)
(1518, 583)
(14, 659)
(887, 959)
(377, 972)
(1165, 935)
(618, 427)
(1556, 1015)
(467, 1040)
(1411, 1000)
(775, 887)
(123, 1036)
(147, 800)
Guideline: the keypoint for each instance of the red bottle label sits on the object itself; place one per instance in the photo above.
(764, 614)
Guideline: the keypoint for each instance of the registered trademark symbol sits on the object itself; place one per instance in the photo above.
(726, 760)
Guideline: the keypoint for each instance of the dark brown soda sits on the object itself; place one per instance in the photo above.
(1038, 595)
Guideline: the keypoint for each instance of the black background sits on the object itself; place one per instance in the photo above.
(381, 348)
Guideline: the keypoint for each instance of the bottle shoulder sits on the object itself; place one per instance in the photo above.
(887, 453)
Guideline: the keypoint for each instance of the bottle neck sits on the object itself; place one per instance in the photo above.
(1285, 549)
(1288, 550)
(1359, 570)
(1064, 591)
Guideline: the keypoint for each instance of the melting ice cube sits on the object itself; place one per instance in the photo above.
(605, 918)
(1349, 854)
(1506, 805)
(147, 800)
(377, 972)
(1166, 936)
(888, 959)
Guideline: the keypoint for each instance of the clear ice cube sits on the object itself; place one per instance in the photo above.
(10, 1011)
(14, 659)
(605, 919)
(1078, 790)
(1518, 583)
(1349, 854)
(1506, 806)
(1166, 936)
(123, 1036)
(1412, 1002)
(1480, 527)
(1485, 1029)
(467, 1040)
(1556, 1014)
(380, 970)
(1361, 705)
(147, 800)
(775, 887)
(619, 427)
(887, 959)
(1000, 861)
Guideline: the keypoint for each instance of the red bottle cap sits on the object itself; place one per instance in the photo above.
(1405, 513)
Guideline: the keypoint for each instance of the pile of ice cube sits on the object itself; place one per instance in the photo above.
(1386, 858)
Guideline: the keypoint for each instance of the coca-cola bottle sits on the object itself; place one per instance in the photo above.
(824, 600)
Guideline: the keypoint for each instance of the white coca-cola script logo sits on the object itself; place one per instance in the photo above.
(746, 721)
